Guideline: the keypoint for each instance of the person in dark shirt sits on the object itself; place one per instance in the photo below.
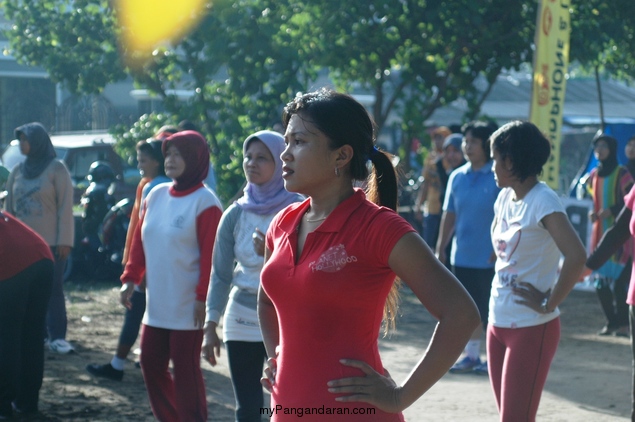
(26, 278)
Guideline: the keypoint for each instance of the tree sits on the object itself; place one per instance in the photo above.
(238, 65)
(240, 75)
(74, 40)
(416, 56)
(603, 36)
(249, 57)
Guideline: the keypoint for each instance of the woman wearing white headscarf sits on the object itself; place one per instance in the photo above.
(240, 241)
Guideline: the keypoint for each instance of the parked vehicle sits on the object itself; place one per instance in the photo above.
(98, 198)
(113, 233)
(100, 257)
(78, 152)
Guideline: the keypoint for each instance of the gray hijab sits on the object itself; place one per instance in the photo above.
(41, 152)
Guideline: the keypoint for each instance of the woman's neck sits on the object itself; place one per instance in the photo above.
(521, 189)
(323, 204)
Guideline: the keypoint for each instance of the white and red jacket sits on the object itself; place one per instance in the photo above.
(172, 246)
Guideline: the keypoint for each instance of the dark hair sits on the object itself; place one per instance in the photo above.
(482, 131)
(165, 131)
(186, 125)
(525, 146)
(346, 122)
(152, 148)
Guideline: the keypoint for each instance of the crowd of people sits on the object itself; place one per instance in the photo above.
(303, 270)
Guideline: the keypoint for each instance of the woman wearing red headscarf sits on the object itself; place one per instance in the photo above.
(173, 246)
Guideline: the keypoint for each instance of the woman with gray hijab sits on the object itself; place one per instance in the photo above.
(40, 194)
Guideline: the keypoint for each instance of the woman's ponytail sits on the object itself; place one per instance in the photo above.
(382, 183)
(382, 190)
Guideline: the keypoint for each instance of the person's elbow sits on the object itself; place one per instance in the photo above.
(465, 313)
(576, 255)
(472, 315)
(575, 258)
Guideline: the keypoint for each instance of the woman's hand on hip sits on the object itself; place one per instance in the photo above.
(374, 388)
(530, 296)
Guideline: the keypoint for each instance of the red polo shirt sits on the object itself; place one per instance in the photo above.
(329, 301)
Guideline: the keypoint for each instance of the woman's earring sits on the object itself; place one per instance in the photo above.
(337, 171)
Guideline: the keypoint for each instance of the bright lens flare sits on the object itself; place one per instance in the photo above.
(147, 24)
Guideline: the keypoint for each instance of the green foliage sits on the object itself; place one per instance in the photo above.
(247, 58)
(147, 126)
(417, 56)
(228, 171)
(240, 75)
(603, 35)
(74, 40)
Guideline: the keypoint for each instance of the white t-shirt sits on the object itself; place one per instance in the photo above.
(525, 252)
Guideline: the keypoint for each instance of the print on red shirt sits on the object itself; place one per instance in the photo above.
(334, 259)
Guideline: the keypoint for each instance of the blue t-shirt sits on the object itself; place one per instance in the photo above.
(152, 183)
(470, 195)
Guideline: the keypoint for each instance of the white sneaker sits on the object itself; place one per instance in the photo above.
(61, 346)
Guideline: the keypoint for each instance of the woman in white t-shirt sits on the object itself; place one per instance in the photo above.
(529, 232)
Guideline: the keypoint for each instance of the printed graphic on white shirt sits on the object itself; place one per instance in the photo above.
(507, 241)
(178, 222)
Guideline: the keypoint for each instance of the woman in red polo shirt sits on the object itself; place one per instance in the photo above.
(329, 277)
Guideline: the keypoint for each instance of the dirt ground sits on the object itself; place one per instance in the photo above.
(589, 379)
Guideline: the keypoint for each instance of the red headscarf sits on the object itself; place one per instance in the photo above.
(195, 153)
